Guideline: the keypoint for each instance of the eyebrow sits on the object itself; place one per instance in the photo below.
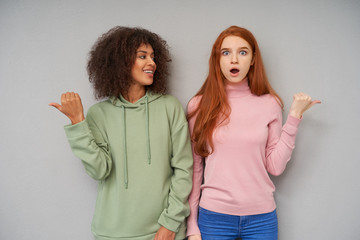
(142, 51)
(238, 48)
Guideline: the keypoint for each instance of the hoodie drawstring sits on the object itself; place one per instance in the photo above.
(147, 129)
(125, 149)
(126, 178)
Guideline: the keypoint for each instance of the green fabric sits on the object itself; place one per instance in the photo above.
(141, 155)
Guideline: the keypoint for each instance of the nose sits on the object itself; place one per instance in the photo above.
(151, 62)
(234, 59)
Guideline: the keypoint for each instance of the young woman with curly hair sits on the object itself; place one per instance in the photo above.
(236, 129)
(136, 142)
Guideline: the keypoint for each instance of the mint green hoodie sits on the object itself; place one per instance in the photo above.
(141, 155)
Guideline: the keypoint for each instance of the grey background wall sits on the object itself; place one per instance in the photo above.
(310, 46)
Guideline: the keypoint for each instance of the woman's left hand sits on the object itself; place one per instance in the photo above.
(301, 103)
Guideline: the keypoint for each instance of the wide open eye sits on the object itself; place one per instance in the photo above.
(243, 52)
(225, 53)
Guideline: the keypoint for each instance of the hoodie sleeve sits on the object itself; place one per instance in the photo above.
(181, 181)
(88, 144)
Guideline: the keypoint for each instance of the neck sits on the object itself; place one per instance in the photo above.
(134, 93)
(239, 89)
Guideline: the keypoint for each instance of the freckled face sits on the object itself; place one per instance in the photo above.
(144, 66)
(235, 59)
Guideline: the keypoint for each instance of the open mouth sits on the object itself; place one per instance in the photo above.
(234, 70)
(148, 71)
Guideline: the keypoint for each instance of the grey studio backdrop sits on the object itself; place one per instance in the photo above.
(310, 46)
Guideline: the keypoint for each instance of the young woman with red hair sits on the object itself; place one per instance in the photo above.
(237, 136)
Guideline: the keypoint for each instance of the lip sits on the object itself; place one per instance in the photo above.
(151, 73)
(234, 74)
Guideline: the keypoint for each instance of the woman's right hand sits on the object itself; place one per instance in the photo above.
(71, 106)
(194, 237)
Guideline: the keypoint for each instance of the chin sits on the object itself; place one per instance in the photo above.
(236, 80)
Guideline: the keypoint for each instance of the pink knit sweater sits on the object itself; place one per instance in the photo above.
(252, 144)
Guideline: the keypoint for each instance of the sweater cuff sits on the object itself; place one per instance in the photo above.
(291, 125)
(76, 130)
(169, 223)
(192, 230)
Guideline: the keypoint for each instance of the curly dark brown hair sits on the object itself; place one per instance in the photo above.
(113, 55)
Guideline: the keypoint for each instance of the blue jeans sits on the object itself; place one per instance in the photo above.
(218, 226)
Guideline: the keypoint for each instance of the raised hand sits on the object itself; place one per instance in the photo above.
(71, 106)
(194, 237)
(301, 103)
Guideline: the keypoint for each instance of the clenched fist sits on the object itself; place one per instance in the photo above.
(301, 103)
(71, 106)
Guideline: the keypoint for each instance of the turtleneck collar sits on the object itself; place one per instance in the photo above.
(240, 89)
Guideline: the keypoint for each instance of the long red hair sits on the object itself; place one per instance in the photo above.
(213, 108)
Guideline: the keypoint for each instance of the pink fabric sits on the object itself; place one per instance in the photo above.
(252, 144)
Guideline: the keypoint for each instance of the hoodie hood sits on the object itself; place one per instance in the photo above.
(121, 101)
(123, 104)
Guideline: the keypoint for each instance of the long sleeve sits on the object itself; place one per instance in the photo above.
(194, 198)
(88, 144)
(280, 144)
(181, 162)
(250, 146)
(141, 153)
